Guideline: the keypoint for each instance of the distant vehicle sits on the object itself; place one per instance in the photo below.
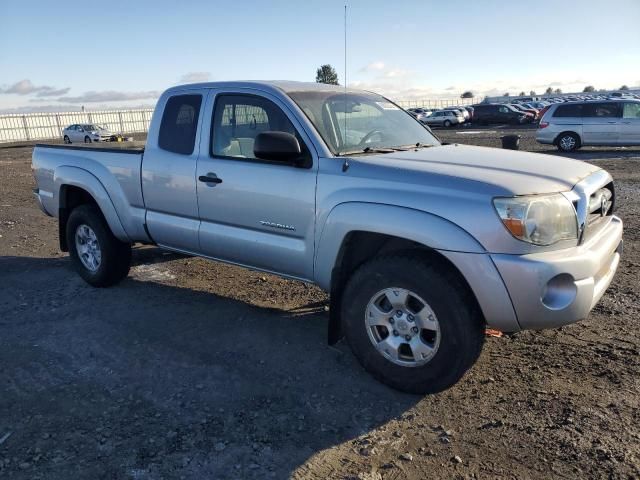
(461, 110)
(600, 123)
(444, 118)
(86, 132)
(522, 108)
(496, 113)
(419, 114)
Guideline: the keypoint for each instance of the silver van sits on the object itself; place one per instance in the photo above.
(599, 123)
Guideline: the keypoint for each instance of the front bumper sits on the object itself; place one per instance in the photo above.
(556, 288)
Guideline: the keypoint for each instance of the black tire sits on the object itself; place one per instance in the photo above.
(115, 255)
(567, 146)
(66, 139)
(461, 324)
(447, 123)
(87, 139)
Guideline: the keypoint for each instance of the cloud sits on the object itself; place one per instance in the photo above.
(26, 87)
(195, 77)
(52, 92)
(110, 96)
(373, 67)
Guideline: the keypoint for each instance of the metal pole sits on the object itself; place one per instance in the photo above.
(26, 127)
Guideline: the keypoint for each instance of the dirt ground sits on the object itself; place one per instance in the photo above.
(193, 369)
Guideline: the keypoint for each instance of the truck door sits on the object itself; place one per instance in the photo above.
(601, 123)
(256, 212)
(169, 171)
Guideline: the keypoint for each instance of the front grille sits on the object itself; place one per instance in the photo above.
(594, 201)
(600, 204)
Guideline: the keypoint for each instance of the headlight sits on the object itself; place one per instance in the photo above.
(538, 219)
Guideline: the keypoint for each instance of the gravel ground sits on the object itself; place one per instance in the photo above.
(194, 369)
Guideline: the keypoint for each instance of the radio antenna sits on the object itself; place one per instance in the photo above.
(345, 76)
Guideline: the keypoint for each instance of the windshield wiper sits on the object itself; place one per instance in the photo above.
(366, 150)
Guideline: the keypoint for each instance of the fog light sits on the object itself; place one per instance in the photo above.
(559, 292)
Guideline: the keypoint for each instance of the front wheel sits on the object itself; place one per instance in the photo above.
(447, 123)
(87, 139)
(96, 254)
(412, 323)
(66, 139)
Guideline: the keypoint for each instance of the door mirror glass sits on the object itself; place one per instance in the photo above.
(276, 146)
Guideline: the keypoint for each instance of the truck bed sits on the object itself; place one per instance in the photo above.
(136, 148)
(110, 172)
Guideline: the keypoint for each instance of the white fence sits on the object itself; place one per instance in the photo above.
(45, 126)
(428, 103)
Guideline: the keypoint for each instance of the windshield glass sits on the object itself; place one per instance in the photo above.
(360, 121)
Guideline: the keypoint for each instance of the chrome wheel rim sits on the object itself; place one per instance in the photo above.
(402, 327)
(567, 142)
(88, 248)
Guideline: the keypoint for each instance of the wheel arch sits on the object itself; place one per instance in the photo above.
(75, 187)
(355, 232)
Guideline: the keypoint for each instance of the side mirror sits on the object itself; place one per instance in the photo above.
(276, 146)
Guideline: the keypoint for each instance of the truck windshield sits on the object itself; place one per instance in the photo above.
(361, 122)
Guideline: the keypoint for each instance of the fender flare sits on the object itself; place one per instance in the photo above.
(424, 228)
(77, 177)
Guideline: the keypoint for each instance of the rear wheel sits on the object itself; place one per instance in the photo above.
(447, 123)
(66, 139)
(411, 323)
(568, 142)
(87, 139)
(96, 254)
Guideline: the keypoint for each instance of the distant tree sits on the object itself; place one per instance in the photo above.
(624, 87)
(557, 90)
(532, 93)
(589, 89)
(522, 94)
(506, 94)
(549, 91)
(327, 74)
(467, 94)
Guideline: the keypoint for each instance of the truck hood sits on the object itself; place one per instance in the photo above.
(510, 172)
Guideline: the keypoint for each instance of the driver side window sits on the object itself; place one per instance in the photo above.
(237, 121)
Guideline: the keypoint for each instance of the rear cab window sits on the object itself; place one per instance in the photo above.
(179, 124)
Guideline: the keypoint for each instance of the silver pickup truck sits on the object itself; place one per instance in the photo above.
(421, 245)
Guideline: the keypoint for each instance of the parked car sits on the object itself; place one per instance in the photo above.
(444, 118)
(522, 108)
(86, 132)
(497, 113)
(422, 246)
(601, 123)
(460, 110)
(419, 114)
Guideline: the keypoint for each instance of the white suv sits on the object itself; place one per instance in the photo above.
(598, 123)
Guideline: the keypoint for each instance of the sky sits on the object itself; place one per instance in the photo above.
(58, 56)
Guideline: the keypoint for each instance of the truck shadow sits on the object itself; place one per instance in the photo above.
(156, 378)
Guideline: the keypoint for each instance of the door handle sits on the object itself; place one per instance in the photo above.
(210, 178)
